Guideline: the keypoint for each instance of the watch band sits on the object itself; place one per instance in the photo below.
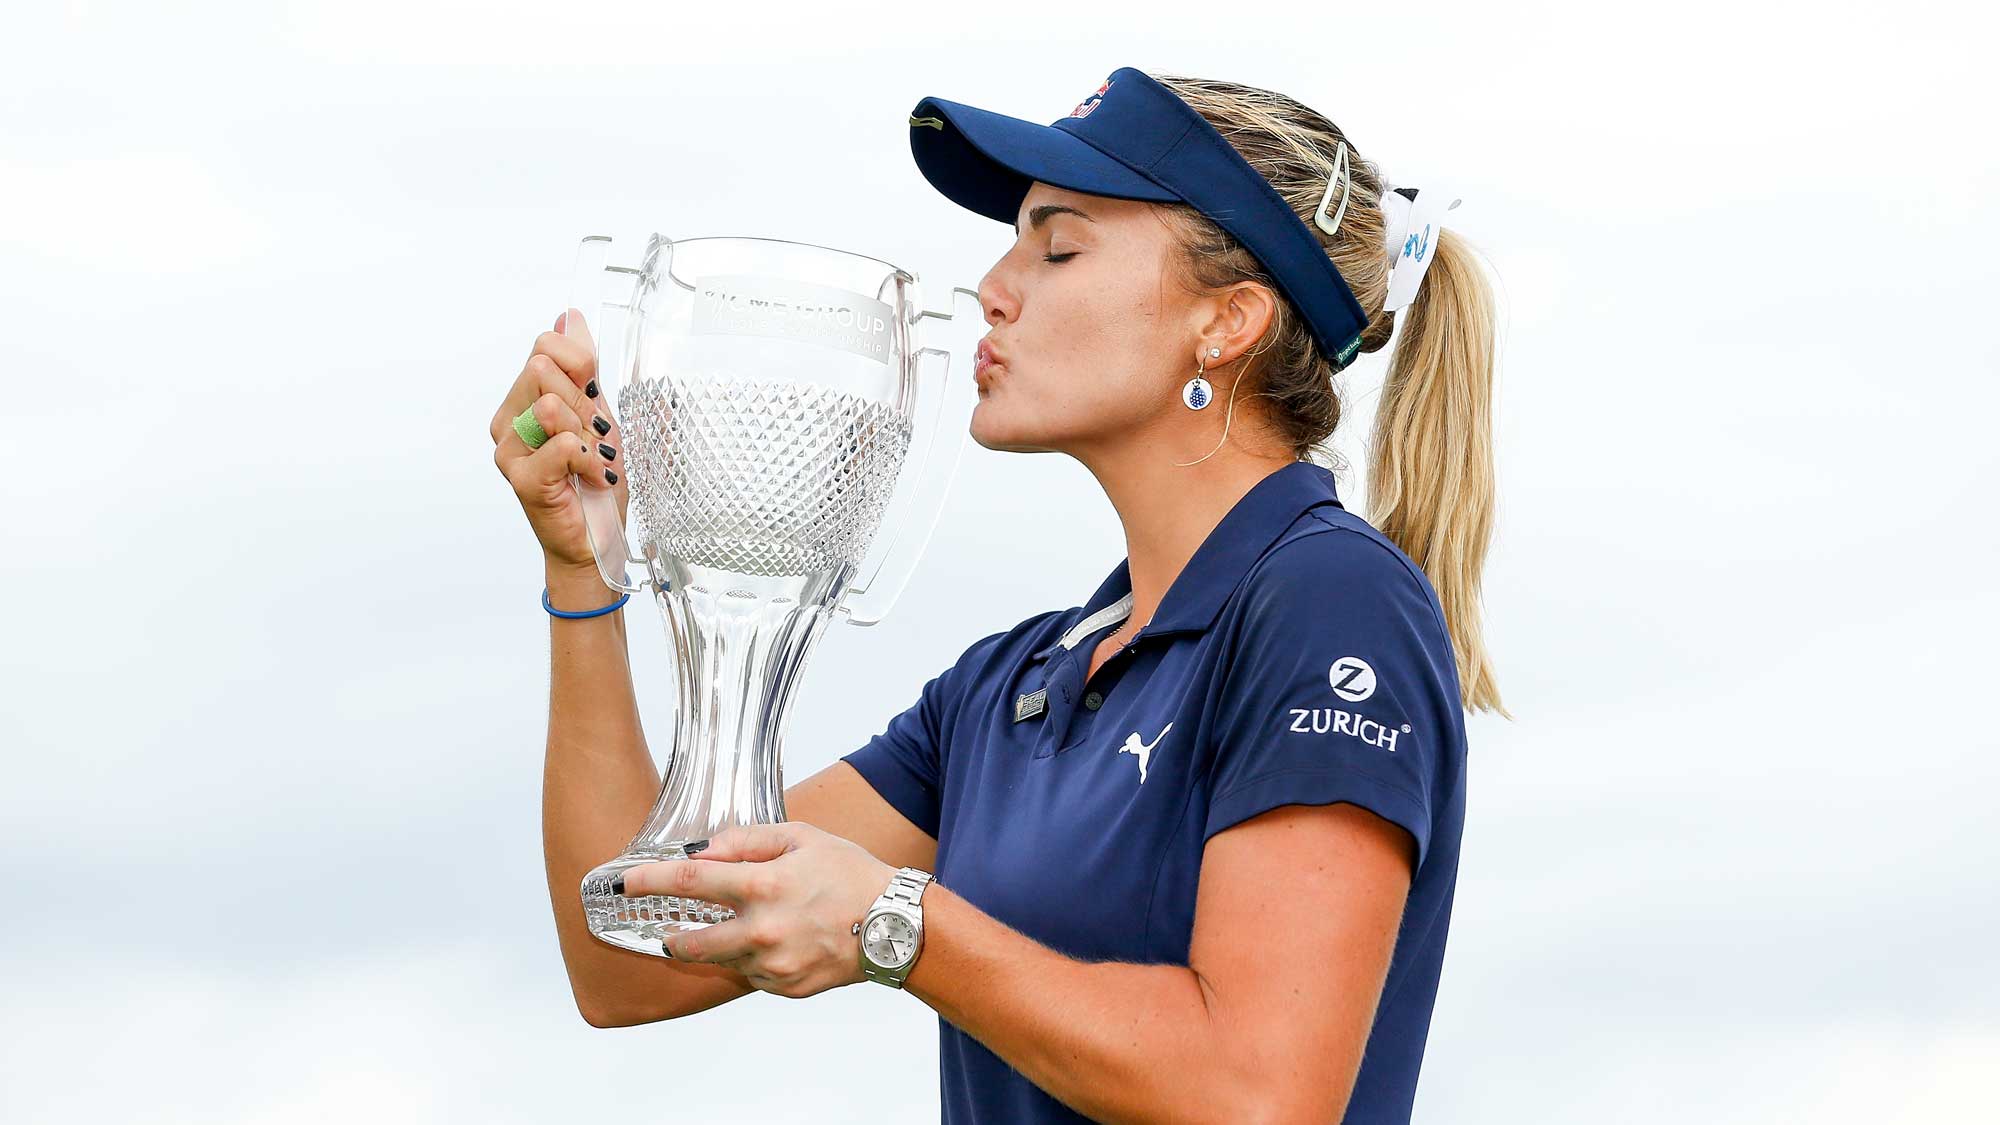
(906, 888)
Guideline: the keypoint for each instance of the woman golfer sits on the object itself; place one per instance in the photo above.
(1185, 852)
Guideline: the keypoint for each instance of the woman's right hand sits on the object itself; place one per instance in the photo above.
(560, 382)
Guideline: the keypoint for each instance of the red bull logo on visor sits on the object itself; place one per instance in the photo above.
(1084, 107)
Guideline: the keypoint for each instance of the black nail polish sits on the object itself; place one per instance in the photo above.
(608, 453)
(598, 423)
(697, 846)
(590, 388)
(610, 477)
(618, 886)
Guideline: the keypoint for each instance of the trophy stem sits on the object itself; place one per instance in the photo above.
(738, 653)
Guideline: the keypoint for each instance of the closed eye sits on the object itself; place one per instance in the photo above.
(1058, 259)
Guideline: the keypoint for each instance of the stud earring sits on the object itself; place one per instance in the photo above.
(1196, 393)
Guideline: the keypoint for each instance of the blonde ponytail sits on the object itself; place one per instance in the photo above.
(1430, 465)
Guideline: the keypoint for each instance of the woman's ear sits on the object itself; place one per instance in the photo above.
(1243, 314)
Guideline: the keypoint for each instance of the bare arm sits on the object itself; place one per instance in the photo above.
(598, 785)
(1295, 920)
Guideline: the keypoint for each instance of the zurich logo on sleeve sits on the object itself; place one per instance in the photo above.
(1353, 678)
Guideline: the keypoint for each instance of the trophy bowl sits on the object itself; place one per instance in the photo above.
(789, 441)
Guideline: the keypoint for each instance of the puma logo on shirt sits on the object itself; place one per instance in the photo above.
(1142, 750)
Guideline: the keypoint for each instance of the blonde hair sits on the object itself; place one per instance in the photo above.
(1430, 468)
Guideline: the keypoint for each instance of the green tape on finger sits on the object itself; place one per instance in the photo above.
(530, 430)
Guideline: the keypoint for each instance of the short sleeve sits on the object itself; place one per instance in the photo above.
(1341, 687)
(905, 763)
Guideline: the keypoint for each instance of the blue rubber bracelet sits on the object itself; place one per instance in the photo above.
(622, 599)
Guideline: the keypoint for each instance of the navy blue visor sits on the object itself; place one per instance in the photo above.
(1135, 139)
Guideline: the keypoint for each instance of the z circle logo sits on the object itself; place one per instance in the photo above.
(1352, 679)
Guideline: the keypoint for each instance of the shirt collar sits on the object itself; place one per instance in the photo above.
(1219, 564)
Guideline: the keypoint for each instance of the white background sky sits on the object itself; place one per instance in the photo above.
(272, 691)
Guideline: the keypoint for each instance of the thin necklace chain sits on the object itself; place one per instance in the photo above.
(1128, 625)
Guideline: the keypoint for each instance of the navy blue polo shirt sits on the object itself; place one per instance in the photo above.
(1299, 658)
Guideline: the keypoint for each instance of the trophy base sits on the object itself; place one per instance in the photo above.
(639, 923)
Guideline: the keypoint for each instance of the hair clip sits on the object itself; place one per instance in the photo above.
(1332, 225)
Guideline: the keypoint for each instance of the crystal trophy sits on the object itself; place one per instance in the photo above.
(789, 438)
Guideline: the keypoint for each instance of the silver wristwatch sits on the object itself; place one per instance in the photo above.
(892, 932)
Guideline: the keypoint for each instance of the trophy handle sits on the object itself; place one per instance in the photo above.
(606, 293)
(941, 416)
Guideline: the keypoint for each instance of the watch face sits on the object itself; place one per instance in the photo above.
(889, 940)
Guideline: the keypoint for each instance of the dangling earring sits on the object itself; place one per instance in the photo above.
(1196, 393)
(1199, 386)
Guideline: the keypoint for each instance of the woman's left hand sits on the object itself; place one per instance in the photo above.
(797, 892)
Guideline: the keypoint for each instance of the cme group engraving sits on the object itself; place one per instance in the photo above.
(777, 308)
